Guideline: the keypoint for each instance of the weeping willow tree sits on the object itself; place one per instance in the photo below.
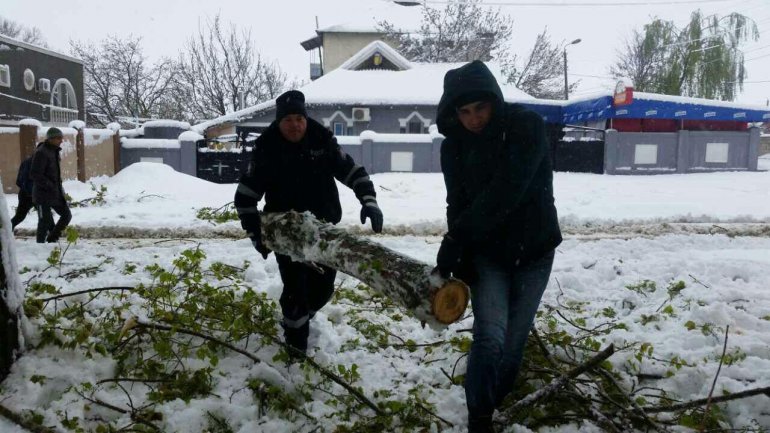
(702, 59)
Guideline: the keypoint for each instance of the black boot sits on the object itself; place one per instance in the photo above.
(297, 338)
(481, 424)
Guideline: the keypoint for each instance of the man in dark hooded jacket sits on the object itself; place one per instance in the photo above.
(24, 182)
(502, 226)
(47, 190)
(294, 164)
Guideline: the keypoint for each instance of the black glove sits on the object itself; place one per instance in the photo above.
(261, 248)
(252, 223)
(448, 257)
(371, 210)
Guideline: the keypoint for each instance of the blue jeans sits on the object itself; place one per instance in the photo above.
(504, 302)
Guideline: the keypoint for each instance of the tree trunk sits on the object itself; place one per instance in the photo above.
(405, 280)
(9, 294)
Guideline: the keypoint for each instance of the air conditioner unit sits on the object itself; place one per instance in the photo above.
(361, 115)
(44, 85)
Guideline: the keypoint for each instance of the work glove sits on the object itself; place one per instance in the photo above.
(373, 212)
(260, 247)
(448, 258)
(252, 223)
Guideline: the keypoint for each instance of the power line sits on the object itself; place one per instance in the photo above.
(757, 58)
(584, 3)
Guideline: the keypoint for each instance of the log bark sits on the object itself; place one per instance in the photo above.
(9, 313)
(407, 281)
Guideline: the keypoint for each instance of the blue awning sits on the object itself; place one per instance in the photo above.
(652, 106)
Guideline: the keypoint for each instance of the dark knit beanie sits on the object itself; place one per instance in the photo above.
(53, 133)
(291, 102)
(470, 97)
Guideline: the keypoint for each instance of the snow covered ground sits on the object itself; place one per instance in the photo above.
(731, 289)
(151, 200)
(726, 283)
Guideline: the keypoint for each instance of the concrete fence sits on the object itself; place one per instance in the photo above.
(680, 152)
(85, 152)
(764, 144)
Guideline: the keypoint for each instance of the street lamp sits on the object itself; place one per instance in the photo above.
(566, 84)
(407, 3)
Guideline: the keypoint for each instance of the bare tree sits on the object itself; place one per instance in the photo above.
(221, 71)
(32, 35)
(462, 31)
(542, 71)
(119, 81)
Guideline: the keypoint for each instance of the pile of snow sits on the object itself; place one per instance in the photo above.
(149, 143)
(31, 122)
(165, 123)
(154, 196)
(77, 124)
(190, 136)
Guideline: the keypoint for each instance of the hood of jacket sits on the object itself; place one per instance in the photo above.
(473, 80)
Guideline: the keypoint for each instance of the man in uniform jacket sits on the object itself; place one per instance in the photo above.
(294, 164)
(24, 182)
(502, 226)
(47, 190)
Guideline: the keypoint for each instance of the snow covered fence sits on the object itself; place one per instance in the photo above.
(85, 152)
(383, 153)
(680, 152)
(162, 141)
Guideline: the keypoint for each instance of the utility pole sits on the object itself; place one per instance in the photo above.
(566, 83)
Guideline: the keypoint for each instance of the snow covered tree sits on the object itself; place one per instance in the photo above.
(119, 81)
(541, 74)
(220, 71)
(10, 294)
(464, 31)
(460, 32)
(702, 59)
(12, 29)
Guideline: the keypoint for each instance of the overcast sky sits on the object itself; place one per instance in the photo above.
(278, 26)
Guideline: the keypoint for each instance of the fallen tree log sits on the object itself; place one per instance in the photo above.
(407, 281)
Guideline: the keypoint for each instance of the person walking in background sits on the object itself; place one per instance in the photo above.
(502, 226)
(294, 164)
(47, 189)
(24, 182)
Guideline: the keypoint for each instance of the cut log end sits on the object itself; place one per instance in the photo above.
(450, 301)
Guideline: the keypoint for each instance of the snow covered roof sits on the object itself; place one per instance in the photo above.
(26, 45)
(420, 84)
(374, 47)
(350, 28)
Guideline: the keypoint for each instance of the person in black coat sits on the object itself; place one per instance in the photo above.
(24, 182)
(47, 190)
(502, 226)
(294, 166)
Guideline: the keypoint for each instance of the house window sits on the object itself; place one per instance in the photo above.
(339, 128)
(646, 154)
(5, 76)
(414, 126)
(717, 152)
(64, 95)
(401, 161)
